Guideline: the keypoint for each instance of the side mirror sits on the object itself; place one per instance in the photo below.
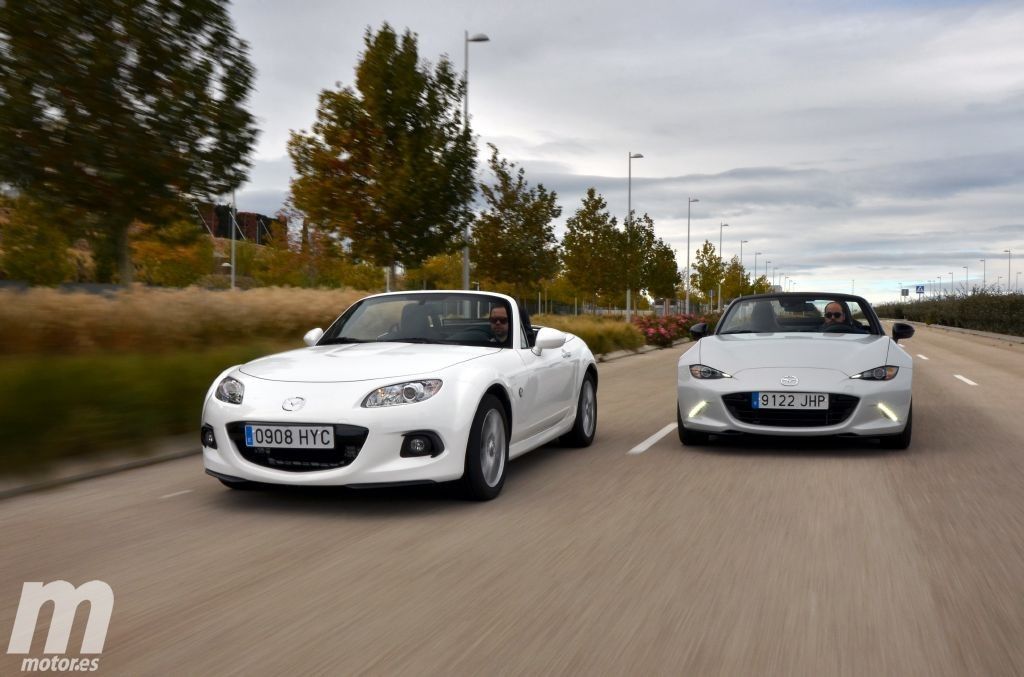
(901, 330)
(312, 336)
(699, 331)
(548, 338)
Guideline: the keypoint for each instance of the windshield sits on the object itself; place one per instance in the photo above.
(793, 313)
(445, 317)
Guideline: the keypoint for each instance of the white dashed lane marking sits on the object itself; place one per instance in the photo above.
(922, 356)
(176, 493)
(652, 440)
(965, 380)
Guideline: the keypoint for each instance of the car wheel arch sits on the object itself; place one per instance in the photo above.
(501, 393)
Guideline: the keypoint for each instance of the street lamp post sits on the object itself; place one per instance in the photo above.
(965, 279)
(721, 262)
(999, 280)
(756, 254)
(689, 201)
(479, 37)
(951, 283)
(766, 270)
(1008, 276)
(742, 242)
(982, 274)
(629, 226)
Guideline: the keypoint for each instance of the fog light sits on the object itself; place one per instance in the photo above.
(208, 438)
(696, 410)
(889, 413)
(421, 443)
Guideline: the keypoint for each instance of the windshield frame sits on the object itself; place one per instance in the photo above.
(468, 330)
(848, 300)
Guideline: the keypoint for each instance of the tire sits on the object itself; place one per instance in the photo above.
(487, 451)
(584, 428)
(689, 438)
(901, 441)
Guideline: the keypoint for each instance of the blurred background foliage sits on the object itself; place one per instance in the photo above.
(980, 310)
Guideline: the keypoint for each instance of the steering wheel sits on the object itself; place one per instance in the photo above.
(471, 334)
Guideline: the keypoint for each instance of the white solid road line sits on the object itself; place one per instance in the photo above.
(176, 493)
(922, 356)
(965, 380)
(652, 440)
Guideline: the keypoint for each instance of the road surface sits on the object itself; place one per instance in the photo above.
(745, 557)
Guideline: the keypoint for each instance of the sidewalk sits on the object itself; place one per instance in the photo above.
(158, 451)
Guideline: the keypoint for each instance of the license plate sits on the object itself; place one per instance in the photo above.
(768, 400)
(289, 436)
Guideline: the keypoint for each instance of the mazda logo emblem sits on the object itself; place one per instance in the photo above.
(293, 404)
(790, 381)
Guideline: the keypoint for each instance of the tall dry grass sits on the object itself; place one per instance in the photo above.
(50, 321)
(602, 334)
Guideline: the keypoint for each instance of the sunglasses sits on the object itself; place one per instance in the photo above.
(499, 320)
(833, 315)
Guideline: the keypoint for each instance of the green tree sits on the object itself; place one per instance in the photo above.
(116, 111)
(590, 249)
(663, 275)
(709, 270)
(636, 243)
(735, 282)
(514, 239)
(389, 164)
(34, 250)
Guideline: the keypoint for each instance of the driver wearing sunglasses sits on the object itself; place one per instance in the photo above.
(499, 324)
(834, 315)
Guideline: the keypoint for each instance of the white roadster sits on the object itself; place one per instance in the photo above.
(403, 388)
(797, 364)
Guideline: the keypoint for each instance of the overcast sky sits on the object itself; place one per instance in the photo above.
(853, 144)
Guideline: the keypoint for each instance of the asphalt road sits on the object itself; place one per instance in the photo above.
(742, 558)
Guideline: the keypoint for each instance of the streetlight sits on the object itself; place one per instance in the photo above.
(951, 283)
(721, 262)
(689, 201)
(766, 270)
(629, 224)
(479, 37)
(1007, 251)
(756, 254)
(965, 279)
(741, 262)
(940, 284)
(982, 274)
(999, 279)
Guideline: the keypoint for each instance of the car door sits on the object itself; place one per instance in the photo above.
(552, 379)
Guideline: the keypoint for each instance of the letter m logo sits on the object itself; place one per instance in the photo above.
(66, 599)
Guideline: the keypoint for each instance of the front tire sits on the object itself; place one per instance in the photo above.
(585, 427)
(901, 441)
(689, 438)
(487, 451)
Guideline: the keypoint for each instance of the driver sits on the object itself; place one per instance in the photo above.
(834, 314)
(499, 324)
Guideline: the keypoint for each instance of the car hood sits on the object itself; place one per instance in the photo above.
(848, 353)
(361, 362)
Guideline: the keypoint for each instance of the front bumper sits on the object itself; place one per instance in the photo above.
(376, 460)
(702, 408)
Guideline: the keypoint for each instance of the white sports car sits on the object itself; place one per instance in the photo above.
(403, 388)
(797, 364)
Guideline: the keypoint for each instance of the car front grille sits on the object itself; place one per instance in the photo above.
(348, 441)
(839, 409)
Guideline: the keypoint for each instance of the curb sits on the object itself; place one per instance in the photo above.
(176, 448)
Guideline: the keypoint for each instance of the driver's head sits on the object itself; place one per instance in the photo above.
(499, 323)
(834, 314)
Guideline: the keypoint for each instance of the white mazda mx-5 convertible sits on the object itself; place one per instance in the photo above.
(797, 364)
(403, 388)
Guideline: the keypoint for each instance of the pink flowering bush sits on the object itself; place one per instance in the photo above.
(663, 331)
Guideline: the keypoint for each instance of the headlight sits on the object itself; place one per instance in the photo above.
(703, 372)
(886, 373)
(403, 393)
(230, 390)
